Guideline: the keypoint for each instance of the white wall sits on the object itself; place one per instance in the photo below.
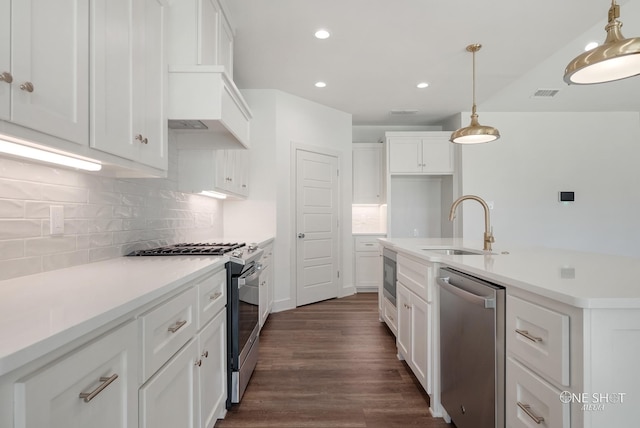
(297, 122)
(596, 155)
(375, 133)
(104, 217)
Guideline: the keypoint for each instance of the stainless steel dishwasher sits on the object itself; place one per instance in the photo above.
(472, 349)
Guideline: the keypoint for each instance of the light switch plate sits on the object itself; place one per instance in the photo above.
(56, 219)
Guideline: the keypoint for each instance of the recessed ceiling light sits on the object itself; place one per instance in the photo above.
(322, 34)
(320, 84)
(590, 46)
(422, 85)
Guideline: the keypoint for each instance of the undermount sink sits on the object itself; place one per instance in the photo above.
(454, 251)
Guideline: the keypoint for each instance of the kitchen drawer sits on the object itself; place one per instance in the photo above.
(390, 315)
(416, 276)
(539, 337)
(166, 329)
(367, 243)
(212, 296)
(105, 370)
(529, 398)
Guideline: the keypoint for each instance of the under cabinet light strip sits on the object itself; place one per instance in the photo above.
(15, 149)
(213, 194)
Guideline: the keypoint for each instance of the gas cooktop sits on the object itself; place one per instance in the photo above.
(189, 249)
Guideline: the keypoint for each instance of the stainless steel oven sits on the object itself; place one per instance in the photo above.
(243, 282)
(389, 272)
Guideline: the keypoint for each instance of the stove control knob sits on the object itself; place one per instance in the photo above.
(236, 253)
(252, 247)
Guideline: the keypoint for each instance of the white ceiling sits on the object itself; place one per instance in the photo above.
(380, 49)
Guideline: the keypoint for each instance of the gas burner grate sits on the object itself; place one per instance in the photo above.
(187, 249)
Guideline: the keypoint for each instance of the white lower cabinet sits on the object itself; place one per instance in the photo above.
(368, 262)
(531, 401)
(168, 399)
(95, 386)
(266, 284)
(414, 334)
(211, 368)
(186, 384)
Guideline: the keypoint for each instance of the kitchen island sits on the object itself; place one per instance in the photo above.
(572, 328)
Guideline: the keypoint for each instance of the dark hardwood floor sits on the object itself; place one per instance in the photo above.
(331, 364)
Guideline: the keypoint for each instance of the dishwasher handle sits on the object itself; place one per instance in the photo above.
(485, 302)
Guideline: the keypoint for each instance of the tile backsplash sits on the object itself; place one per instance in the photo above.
(367, 218)
(103, 217)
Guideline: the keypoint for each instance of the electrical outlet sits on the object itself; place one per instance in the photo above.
(56, 219)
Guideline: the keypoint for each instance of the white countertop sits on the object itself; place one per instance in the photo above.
(584, 280)
(39, 313)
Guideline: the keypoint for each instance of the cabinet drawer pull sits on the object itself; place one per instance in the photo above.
(177, 326)
(527, 409)
(6, 77)
(27, 86)
(526, 334)
(215, 296)
(106, 381)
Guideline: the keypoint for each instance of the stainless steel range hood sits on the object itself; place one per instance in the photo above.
(205, 108)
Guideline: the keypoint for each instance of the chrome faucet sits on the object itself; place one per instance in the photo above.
(488, 230)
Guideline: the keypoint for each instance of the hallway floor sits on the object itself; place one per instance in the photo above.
(331, 364)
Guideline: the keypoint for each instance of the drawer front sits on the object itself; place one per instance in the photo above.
(166, 329)
(212, 296)
(95, 386)
(367, 243)
(390, 315)
(539, 337)
(530, 399)
(416, 276)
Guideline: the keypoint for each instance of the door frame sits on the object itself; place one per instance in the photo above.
(293, 238)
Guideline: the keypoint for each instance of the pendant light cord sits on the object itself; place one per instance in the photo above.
(473, 84)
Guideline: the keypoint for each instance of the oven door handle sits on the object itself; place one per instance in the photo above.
(486, 302)
(251, 275)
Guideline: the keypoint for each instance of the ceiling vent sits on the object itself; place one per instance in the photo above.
(545, 93)
(403, 111)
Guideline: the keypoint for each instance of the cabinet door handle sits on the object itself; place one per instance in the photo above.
(301, 235)
(198, 363)
(106, 381)
(142, 139)
(215, 296)
(177, 326)
(27, 86)
(6, 77)
(205, 354)
(527, 409)
(529, 336)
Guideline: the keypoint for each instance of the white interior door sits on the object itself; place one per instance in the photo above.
(317, 237)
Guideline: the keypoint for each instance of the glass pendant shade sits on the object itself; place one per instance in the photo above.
(474, 133)
(617, 58)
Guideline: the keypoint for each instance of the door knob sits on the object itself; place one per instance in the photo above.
(300, 235)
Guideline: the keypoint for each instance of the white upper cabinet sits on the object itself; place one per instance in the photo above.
(420, 153)
(128, 84)
(204, 102)
(223, 171)
(5, 59)
(47, 55)
(368, 187)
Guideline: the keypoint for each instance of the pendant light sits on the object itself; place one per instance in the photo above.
(617, 58)
(474, 133)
